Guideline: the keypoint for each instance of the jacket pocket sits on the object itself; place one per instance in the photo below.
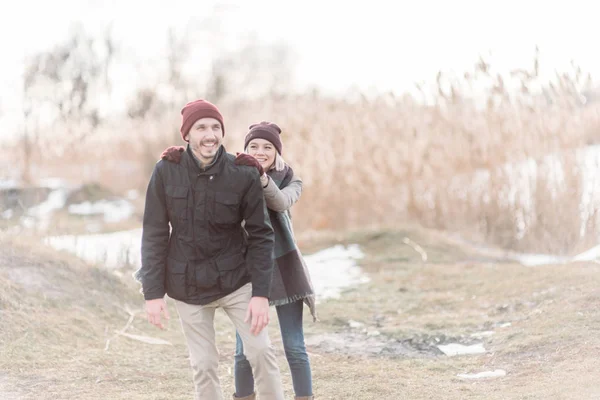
(227, 208)
(177, 200)
(232, 271)
(205, 275)
(176, 282)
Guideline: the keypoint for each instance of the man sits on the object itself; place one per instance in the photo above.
(209, 260)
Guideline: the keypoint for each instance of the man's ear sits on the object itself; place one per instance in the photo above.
(186, 137)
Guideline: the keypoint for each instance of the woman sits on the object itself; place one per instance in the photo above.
(291, 286)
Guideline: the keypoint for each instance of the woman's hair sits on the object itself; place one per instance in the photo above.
(279, 163)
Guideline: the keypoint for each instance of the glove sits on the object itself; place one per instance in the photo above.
(247, 159)
(172, 154)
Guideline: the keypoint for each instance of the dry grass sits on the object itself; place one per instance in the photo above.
(550, 350)
(381, 161)
(57, 317)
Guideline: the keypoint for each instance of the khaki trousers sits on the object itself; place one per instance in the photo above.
(198, 327)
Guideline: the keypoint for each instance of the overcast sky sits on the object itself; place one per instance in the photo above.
(378, 44)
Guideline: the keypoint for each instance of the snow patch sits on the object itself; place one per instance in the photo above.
(111, 250)
(487, 374)
(532, 260)
(335, 269)
(457, 349)
(9, 184)
(355, 324)
(481, 335)
(40, 215)
(113, 211)
(592, 254)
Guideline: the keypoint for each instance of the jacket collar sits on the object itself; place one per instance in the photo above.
(194, 165)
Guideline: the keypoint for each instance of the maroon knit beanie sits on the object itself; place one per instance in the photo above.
(198, 109)
(265, 130)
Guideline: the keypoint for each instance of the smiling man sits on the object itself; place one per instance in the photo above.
(195, 250)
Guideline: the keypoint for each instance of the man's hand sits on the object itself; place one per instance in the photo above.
(153, 310)
(247, 159)
(258, 312)
(173, 154)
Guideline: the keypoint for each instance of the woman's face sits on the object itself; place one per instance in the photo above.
(263, 151)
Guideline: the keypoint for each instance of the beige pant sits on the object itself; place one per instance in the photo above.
(198, 327)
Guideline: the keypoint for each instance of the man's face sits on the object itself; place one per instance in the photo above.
(205, 138)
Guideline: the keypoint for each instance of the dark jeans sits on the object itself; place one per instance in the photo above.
(292, 334)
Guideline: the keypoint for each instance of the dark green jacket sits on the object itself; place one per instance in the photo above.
(194, 248)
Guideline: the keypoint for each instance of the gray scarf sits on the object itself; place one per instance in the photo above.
(291, 279)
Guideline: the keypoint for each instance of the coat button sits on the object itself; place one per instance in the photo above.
(210, 177)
